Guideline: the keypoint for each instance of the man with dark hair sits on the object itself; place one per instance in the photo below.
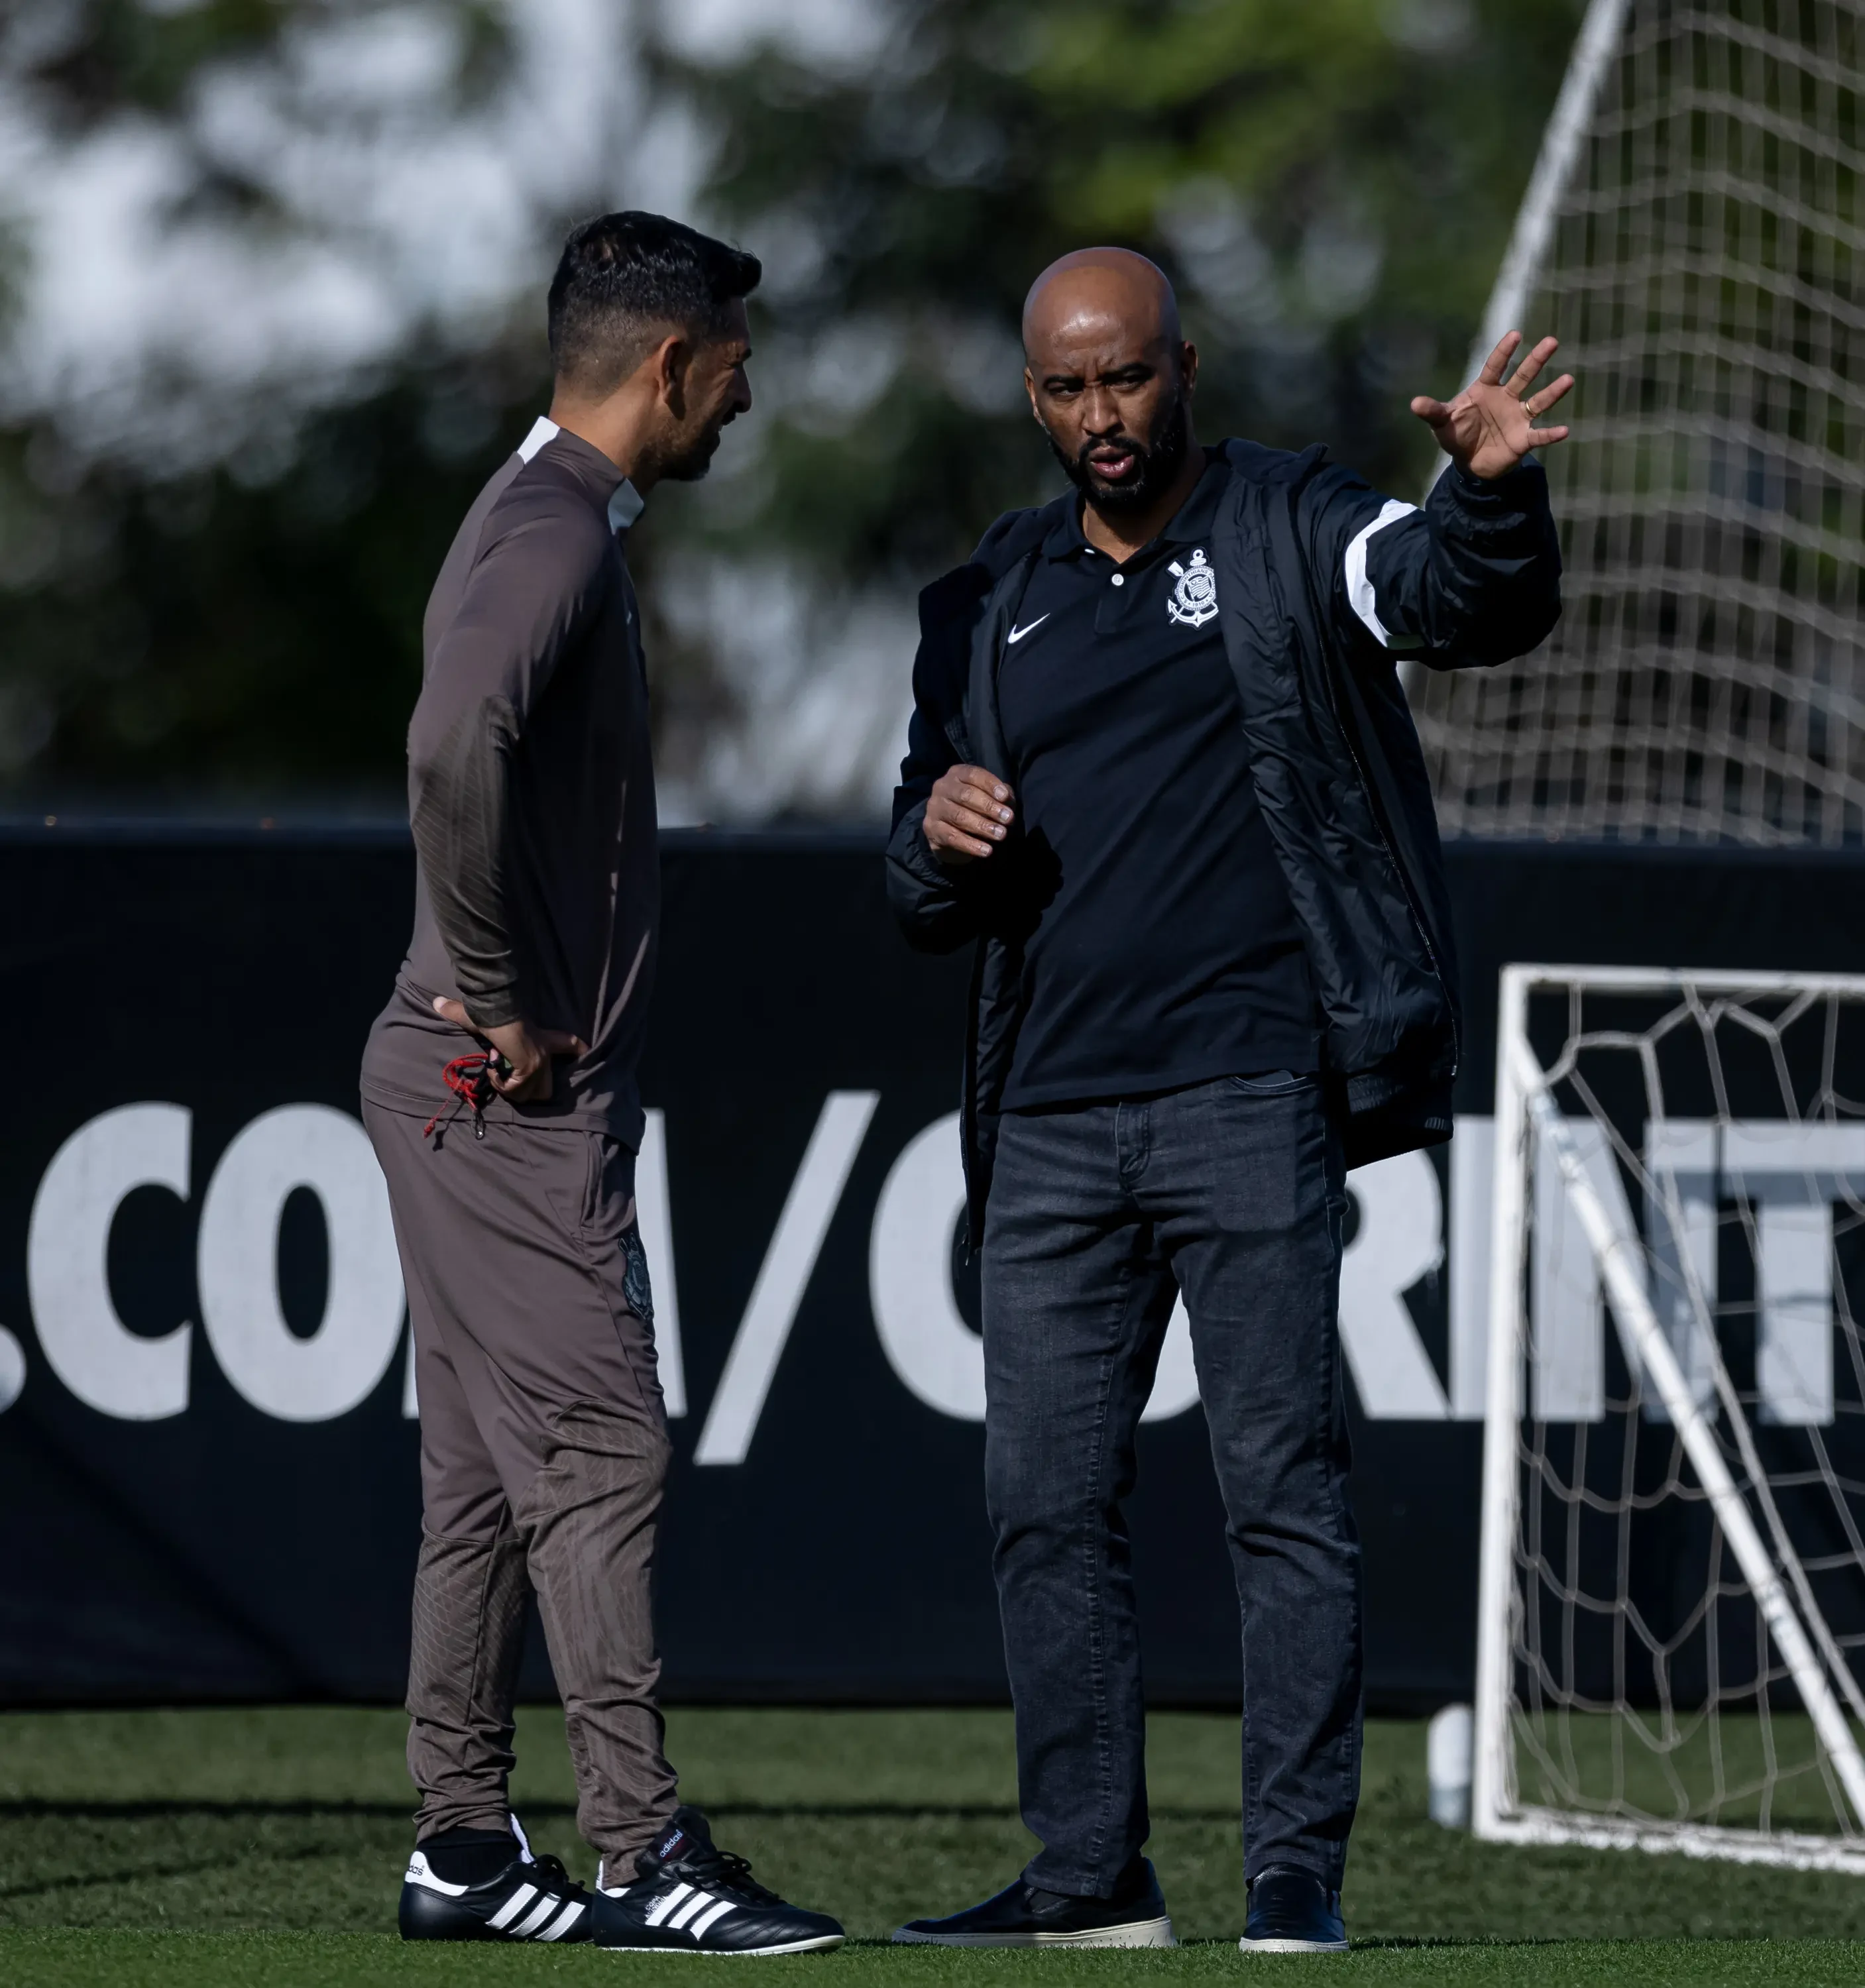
(622, 279)
(1161, 771)
(499, 1089)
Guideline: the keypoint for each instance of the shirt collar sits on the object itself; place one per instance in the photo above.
(1066, 538)
(1199, 513)
(625, 503)
(1192, 520)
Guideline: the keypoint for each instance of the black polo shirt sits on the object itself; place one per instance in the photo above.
(1166, 952)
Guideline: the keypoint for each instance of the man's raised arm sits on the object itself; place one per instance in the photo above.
(1474, 576)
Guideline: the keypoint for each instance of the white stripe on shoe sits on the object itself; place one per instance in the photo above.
(661, 1907)
(527, 1926)
(564, 1922)
(512, 1907)
(697, 1903)
(702, 1925)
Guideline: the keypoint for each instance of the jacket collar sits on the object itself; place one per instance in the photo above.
(1017, 536)
(623, 502)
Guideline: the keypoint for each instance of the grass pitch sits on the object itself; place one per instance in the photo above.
(208, 1849)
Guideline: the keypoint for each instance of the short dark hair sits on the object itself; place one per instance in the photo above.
(624, 280)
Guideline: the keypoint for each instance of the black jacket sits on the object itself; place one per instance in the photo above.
(1321, 583)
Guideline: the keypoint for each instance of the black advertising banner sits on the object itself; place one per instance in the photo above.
(208, 1461)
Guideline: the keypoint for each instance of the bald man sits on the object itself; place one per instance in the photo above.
(1160, 772)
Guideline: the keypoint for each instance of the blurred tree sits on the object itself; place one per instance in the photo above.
(1330, 184)
(258, 358)
(249, 632)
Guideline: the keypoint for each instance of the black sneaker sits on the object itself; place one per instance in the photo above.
(524, 1897)
(1292, 1912)
(1024, 1916)
(690, 1898)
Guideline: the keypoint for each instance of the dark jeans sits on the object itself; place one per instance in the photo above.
(1232, 1191)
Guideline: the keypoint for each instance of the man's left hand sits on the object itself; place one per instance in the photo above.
(1490, 427)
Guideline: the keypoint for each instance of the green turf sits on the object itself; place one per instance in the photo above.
(359, 1960)
(216, 1848)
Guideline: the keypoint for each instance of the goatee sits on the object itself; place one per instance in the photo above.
(1159, 462)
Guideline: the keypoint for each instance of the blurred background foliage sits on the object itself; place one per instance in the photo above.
(214, 553)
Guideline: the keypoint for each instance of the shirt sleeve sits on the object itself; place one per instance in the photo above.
(529, 595)
(1472, 577)
(937, 908)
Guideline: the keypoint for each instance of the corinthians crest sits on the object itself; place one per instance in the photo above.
(1194, 600)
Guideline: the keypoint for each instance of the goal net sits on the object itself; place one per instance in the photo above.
(1672, 1585)
(1694, 233)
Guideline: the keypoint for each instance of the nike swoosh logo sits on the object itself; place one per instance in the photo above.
(1017, 634)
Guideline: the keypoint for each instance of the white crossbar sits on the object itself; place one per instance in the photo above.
(1673, 979)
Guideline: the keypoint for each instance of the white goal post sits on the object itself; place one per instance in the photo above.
(1673, 1563)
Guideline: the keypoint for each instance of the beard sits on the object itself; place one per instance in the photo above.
(1160, 459)
(689, 463)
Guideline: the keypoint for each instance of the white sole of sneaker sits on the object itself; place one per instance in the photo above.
(1291, 1946)
(821, 1945)
(1141, 1932)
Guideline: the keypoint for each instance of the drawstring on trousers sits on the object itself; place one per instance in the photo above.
(469, 1078)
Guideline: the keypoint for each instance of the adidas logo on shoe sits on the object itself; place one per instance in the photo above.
(490, 1893)
(689, 1897)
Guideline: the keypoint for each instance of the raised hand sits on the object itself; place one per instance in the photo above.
(1490, 427)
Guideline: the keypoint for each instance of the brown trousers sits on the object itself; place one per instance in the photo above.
(543, 1452)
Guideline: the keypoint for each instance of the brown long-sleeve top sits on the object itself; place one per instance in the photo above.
(531, 795)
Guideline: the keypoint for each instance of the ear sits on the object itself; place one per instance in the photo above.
(667, 366)
(1029, 386)
(1188, 366)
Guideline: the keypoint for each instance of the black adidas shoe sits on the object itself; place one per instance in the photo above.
(1293, 1913)
(689, 1897)
(522, 1897)
(1024, 1916)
